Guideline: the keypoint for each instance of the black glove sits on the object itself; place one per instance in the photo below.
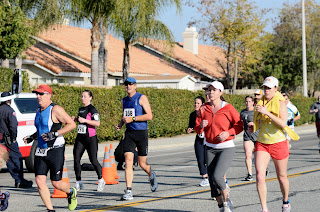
(290, 122)
(49, 137)
(29, 139)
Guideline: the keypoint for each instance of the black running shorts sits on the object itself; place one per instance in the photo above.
(136, 138)
(53, 161)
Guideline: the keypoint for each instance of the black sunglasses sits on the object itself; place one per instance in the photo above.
(41, 94)
(128, 83)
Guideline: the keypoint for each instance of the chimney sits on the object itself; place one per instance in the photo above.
(190, 40)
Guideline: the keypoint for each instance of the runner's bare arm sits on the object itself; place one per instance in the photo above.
(60, 115)
(147, 109)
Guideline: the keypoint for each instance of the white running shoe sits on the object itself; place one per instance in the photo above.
(127, 195)
(230, 204)
(204, 182)
(101, 184)
(153, 182)
(286, 208)
(78, 186)
(226, 207)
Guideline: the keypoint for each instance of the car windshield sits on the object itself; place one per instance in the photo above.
(27, 105)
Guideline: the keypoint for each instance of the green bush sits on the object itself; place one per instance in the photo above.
(170, 107)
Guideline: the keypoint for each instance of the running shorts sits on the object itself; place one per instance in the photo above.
(278, 151)
(53, 161)
(136, 138)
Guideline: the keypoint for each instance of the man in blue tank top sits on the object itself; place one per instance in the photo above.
(136, 112)
(51, 147)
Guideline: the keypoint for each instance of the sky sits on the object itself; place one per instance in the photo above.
(178, 23)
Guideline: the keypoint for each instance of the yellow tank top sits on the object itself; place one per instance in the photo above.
(270, 133)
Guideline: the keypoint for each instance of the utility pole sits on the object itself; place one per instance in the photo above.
(304, 54)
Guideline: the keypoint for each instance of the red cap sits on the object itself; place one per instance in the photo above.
(42, 89)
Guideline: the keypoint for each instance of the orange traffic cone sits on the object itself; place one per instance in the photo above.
(107, 173)
(57, 193)
(113, 162)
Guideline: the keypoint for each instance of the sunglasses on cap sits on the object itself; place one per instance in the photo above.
(257, 94)
(128, 83)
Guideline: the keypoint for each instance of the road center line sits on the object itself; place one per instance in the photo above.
(130, 204)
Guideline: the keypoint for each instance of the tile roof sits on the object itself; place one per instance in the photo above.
(77, 42)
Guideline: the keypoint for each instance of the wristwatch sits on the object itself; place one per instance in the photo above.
(133, 119)
(56, 134)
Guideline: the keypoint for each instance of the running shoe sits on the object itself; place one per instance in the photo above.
(249, 177)
(286, 208)
(78, 186)
(226, 207)
(101, 184)
(267, 210)
(4, 202)
(204, 182)
(50, 210)
(153, 182)
(127, 195)
(72, 200)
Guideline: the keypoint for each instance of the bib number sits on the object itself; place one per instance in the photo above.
(82, 129)
(42, 152)
(129, 112)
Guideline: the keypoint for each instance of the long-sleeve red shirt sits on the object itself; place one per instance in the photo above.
(225, 119)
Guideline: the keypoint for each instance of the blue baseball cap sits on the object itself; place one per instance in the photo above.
(130, 79)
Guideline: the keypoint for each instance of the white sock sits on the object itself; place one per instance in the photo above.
(100, 180)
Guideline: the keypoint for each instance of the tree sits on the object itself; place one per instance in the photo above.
(235, 26)
(136, 19)
(14, 32)
(284, 59)
(97, 13)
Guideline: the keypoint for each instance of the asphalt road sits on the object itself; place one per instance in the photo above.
(174, 161)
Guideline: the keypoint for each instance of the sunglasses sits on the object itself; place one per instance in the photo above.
(128, 83)
(41, 94)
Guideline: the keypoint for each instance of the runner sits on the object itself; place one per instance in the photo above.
(51, 146)
(199, 147)
(88, 119)
(257, 96)
(315, 109)
(249, 140)
(136, 112)
(270, 117)
(293, 115)
(220, 122)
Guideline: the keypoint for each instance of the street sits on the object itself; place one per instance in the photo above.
(178, 177)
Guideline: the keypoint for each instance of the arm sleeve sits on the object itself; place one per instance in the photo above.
(12, 125)
(192, 120)
(197, 127)
(237, 124)
(312, 107)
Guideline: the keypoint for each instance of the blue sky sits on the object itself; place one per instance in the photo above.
(178, 23)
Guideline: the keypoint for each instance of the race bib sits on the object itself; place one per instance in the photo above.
(42, 152)
(129, 112)
(82, 129)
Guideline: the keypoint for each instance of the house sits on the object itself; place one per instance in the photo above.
(63, 55)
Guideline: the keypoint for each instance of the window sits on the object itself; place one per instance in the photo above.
(27, 105)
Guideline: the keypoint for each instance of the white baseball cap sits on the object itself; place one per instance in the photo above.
(258, 91)
(206, 87)
(271, 82)
(217, 85)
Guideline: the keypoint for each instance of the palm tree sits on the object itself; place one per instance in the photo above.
(136, 19)
(96, 12)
